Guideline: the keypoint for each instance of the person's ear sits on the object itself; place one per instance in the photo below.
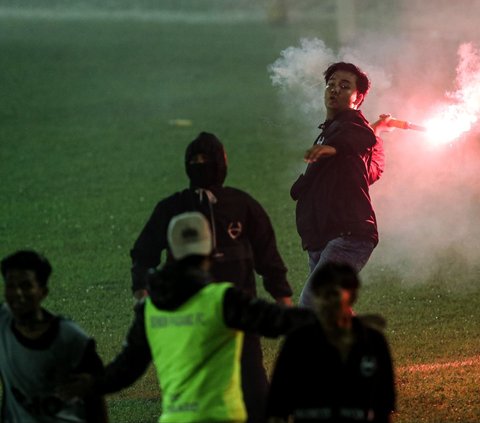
(359, 99)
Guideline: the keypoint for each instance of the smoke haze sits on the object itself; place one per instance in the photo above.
(428, 200)
(423, 60)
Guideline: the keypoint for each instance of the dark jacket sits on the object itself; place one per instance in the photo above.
(312, 382)
(171, 287)
(333, 194)
(243, 236)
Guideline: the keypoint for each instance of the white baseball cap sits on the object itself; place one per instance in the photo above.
(189, 234)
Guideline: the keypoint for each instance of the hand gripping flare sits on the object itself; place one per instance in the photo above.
(403, 124)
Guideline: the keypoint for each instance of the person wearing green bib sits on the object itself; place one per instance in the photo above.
(192, 330)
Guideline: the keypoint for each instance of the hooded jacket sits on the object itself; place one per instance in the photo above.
(173, 286)
(243, 236)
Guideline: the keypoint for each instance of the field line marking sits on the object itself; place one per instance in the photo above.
(159, 15)
(473, 361)
(147, 15)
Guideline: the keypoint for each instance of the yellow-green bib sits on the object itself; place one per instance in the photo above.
(197, 359)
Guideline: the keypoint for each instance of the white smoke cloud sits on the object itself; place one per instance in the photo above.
(428, 201)
(298, 73)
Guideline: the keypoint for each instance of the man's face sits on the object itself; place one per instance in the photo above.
(333, 304)
(341, 93)
(23, 293)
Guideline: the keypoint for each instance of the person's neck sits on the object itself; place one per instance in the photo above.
(34, 325)
(345, 322)
(340, 334)
(331, 115)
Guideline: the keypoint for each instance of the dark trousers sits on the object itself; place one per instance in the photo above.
(254, 379)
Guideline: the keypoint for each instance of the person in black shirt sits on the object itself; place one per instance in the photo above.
(337, 369)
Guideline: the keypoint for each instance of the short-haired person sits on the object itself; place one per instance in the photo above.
(40, 351)
(334, 215)
(337, 369)
(244, 245)
(192, 329)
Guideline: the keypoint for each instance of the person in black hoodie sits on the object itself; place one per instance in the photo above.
(334, 214)
(243, 244)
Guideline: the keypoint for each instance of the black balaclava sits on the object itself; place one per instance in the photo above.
(214, 171)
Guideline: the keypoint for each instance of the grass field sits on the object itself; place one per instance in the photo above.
(87, 147)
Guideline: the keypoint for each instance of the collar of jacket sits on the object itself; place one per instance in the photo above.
(346, 115)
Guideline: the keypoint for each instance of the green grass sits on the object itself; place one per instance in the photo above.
(87, 149)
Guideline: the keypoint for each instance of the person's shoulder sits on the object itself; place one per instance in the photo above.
(305, 331)
(233, 191)
(70, 330)
(237, 194)
(5, 314)
(172, 204)
(307, 337)
(67, 323)
(354, 116)
(139, 307)
(372, 326)
(175, 196)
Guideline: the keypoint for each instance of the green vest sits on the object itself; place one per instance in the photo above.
(197, 359)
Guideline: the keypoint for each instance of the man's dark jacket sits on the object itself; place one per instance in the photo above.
(243, 236)
(332, 195)
(244, 243)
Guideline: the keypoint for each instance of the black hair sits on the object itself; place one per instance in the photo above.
(363, 83)
(337, 274)
(28, 260)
